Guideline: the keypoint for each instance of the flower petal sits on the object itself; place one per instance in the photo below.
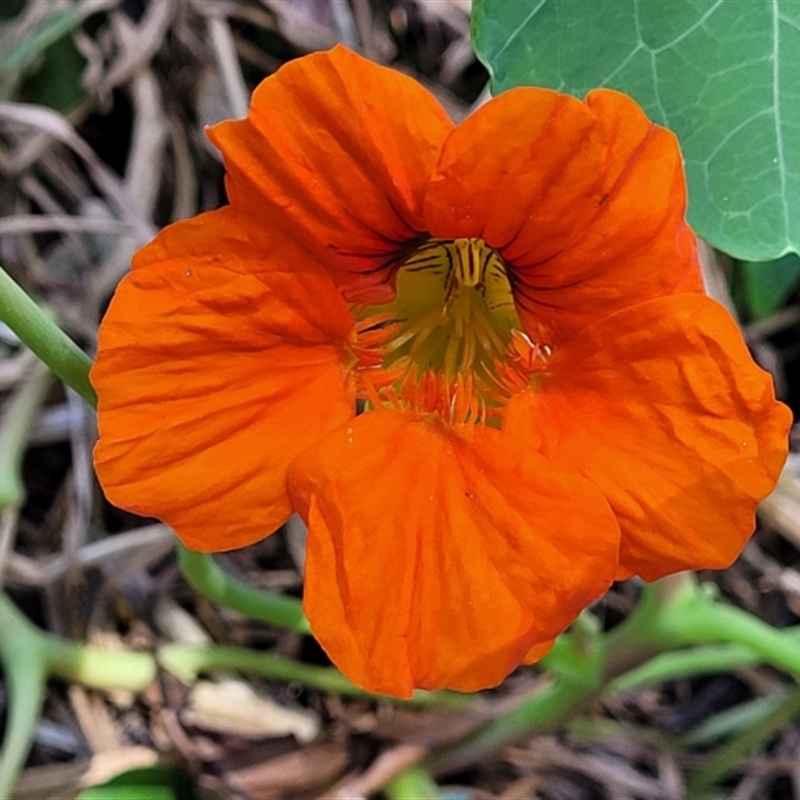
(538, 651)
(213, 374)
(340, 150)
(441, 557)
(585, 201)
(662, 408)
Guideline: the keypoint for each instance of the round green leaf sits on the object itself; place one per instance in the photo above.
(762, 288)
(723, 74)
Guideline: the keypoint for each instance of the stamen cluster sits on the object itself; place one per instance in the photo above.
(451, 341)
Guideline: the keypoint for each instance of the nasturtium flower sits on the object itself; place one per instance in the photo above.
(476, 359)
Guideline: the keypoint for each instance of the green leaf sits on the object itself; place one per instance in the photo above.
(145, 783)
(127, 793)
(763, 288)
(57, 81)
(19, 53)
(723, 74)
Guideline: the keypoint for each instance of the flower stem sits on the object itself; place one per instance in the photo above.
(208, 578)
(694, 616)
(18, 417)
(99, 669)
(29, 657)
(671, 666)
(25, 666)
(414, 783)
(186, 662)
(36, 330)
(544, 711)
(729, 624)
(72, 661)
(727, 758)
(672, 613)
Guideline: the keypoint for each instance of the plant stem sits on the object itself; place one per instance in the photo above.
(81, 663)
(544, 711)
(683, 663)
(36, 330)
(25, 666)
(726, 758)
(693, 616)
(414, 783)
(723, 623)
(99, 669)
(29, 656)
(18, 417)
(672, 613)
(186, 662)
(208, 578)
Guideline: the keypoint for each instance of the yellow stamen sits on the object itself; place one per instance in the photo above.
(452, 330)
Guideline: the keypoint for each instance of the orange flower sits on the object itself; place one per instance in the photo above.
(548, 400)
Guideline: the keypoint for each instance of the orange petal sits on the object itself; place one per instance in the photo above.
(340, 150)
(440, 557)
(662, 408)
(584, 200)
(538, 651)
(212, 376)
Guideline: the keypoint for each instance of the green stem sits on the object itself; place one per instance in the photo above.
(208, 578)
(186, 662)
(56, 25)
(719, 623)
(80, 663)
(673, 612)
(36, 330)
(24, 660)
(683, 663)
(695, 617)
(644, 634)
(19, 415)
(735, 720)
(545, 711)
(99, 669)
(726, 758)
(29, 656)
(413, 783)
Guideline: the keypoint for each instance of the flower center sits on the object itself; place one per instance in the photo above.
(451, 340)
